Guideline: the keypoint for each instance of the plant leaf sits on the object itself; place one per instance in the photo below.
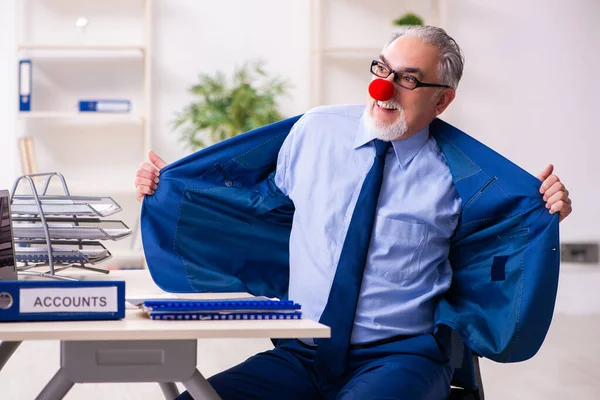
(224, 108)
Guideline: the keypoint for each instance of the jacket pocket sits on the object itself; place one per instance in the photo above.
(397, 248)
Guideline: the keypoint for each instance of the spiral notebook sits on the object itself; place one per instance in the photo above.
(174, 309)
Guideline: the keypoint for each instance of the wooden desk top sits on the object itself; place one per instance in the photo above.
(136, 326)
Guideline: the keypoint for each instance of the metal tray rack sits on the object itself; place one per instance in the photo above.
(57, 232)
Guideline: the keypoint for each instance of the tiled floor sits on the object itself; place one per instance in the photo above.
(567, 366)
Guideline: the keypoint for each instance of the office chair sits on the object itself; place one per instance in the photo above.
(466, 381)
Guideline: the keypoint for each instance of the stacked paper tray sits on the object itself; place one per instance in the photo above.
(72, 230)
(58, 205)
(62, 229)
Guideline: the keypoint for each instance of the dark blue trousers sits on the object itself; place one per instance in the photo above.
(413, 368)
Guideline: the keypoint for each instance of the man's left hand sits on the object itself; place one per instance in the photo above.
(555, 193)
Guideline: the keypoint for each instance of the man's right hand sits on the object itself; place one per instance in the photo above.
(146, 178)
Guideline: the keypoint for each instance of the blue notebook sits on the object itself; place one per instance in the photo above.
(170, 309)
(204, 316)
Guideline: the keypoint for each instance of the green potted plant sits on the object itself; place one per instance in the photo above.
(408, 19)
(225, 109)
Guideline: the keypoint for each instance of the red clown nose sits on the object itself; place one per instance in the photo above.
(381, 89)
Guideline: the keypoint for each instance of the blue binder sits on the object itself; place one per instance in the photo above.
(108, 106)
(222, 310)
(61, 300)
(25, 85)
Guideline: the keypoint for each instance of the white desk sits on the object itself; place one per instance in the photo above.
(137, 349)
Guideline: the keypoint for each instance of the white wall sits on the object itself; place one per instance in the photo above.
(188, 38)
(513, 98)
(193, 37)
(530, 90)
(8, 95)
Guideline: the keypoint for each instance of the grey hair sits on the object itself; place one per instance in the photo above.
(452, 60)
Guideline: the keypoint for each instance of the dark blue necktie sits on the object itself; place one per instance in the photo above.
(331, 358)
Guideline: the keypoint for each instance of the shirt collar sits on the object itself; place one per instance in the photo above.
(405, 149)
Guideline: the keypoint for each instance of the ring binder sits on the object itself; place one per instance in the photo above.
(45, 300)
(108, 106)
(25, 85)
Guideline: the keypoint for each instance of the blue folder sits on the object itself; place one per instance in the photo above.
(25, 83)
(110, 106)
(61, 300)
(222, 310)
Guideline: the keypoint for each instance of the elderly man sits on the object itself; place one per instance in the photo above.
(375, 199)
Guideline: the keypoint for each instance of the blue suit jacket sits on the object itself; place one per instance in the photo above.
(218, 223)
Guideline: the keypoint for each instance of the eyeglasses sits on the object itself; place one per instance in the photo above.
(407, 81)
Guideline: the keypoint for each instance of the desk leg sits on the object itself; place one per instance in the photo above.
(6, 351)
(169, 389)
(57, 388)
(199, 388)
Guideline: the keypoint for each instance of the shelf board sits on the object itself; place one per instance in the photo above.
(83, 117)
(74, 50)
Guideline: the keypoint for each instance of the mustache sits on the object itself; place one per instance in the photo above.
(390, 102)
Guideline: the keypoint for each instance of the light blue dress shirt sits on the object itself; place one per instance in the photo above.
(321, 167)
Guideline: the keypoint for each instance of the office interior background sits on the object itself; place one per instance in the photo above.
(529, 90)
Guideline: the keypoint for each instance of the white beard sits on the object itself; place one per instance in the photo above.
(386, 131)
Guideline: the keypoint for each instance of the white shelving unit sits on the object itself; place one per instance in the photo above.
(346, 35)
(82, 117)
(76, 47)
(109, 58)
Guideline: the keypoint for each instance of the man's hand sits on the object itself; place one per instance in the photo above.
(555, 194)
(146, 178)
